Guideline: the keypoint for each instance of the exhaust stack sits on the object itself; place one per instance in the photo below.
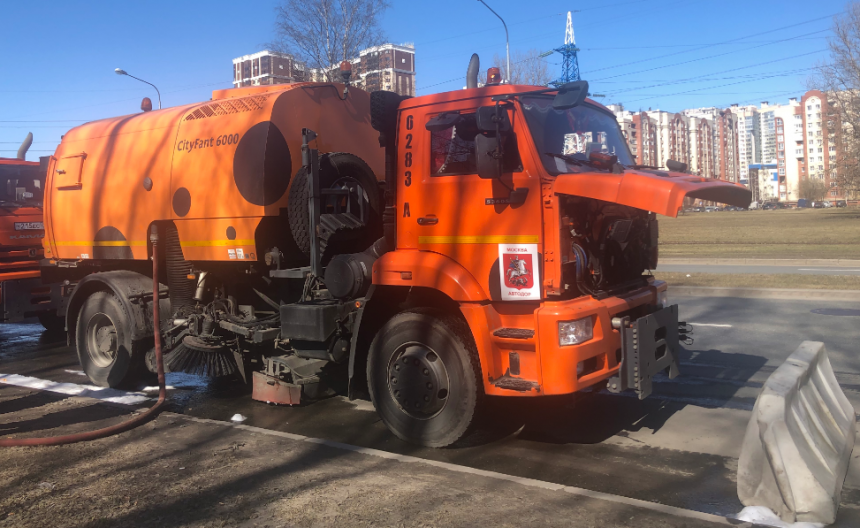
(472, 71)
(25, 146)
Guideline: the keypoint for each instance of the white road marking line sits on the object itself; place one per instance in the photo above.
(73, 389)
(823, 269)
(78, 372)
(534, 483)
(709, 324)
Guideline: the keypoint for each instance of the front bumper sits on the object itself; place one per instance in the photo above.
(539, 366)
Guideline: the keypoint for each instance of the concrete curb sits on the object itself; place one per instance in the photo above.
(766, 293)
(534, 483)
(799, 440)
(832, 263)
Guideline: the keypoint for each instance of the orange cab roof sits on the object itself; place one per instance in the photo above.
(473, 93)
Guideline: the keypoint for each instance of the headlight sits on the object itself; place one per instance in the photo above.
(574, 332)
(663, 299)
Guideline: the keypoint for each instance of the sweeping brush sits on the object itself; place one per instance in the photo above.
(198, 357)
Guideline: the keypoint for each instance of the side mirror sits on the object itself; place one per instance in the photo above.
(486, 151)
(443, 122)
(570, 95)
(485, 118)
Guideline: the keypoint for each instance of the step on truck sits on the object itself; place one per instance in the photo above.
(22, 293)
(425, 252)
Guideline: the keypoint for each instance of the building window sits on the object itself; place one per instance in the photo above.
(782, 172)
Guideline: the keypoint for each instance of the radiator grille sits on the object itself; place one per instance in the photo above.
(232, 106)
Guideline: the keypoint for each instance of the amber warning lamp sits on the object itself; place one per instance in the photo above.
(494, 76)
(345, 73)
(146, 104)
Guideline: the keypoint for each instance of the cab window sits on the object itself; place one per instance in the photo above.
(452, 151)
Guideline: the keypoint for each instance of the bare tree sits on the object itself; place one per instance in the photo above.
(812, 189)
(839, 78)
(322, 33)
(526, 68)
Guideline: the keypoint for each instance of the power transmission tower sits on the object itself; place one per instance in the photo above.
(569, 59)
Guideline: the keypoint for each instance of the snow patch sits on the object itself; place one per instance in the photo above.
(764, 515)
(74, 389)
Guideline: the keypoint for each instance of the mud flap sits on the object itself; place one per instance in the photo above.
(648, 345)
(799, 440)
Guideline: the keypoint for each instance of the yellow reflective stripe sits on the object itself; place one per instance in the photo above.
(124, 243)
(479, 239)
(211, 243)
(103, 243)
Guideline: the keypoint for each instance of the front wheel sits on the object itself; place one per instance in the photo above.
(104, 343)
(424, 378)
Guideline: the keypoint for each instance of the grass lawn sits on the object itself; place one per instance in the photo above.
(788, 234)
(756, 280)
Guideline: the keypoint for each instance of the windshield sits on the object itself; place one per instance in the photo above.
(21, 185)
(572, 133)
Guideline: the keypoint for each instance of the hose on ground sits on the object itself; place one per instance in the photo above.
(128, 424)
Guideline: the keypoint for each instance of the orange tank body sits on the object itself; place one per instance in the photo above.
(216, 169)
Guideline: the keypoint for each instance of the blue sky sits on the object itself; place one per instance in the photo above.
(668, 54)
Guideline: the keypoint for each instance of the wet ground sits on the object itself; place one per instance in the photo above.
(679, 447)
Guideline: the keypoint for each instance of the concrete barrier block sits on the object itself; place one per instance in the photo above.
(799, 440)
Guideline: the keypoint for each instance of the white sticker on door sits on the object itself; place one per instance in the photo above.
(232, 254)
(240, 253)
(519, 277)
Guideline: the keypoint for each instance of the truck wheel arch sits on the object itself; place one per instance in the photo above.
(124, 284)
(383, 303)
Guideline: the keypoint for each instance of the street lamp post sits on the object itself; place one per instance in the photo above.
(120, 71)
(507, 40)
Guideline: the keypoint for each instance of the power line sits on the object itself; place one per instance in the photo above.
(702, 58)
(724, 71)
(692, 45)
(712, 45)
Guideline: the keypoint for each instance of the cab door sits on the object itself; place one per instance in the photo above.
(445, 207)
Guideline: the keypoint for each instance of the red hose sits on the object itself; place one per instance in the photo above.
(137, 420)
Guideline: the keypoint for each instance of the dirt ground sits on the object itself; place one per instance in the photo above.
(785, 234)
(178, 472)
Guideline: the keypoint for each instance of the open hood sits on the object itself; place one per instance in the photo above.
(658, 191)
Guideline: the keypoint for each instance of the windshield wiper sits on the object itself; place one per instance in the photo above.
(569, 159)
(637, 167)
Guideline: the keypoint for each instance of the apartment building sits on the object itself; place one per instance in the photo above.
(820, 126)
(749, 139)
(386, 67)
(788, 127)
(267, 67)
(701, 143)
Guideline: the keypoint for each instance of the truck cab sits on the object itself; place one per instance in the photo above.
(22, 293)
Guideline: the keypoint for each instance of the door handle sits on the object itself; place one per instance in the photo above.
(428, 220)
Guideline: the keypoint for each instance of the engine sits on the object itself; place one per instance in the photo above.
(610, 245)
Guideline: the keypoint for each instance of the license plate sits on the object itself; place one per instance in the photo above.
(27, 226)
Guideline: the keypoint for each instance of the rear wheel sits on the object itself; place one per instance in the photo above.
(104, 344)
(424, 378)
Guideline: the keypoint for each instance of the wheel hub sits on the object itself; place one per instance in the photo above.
(418, 381)
(102, 340)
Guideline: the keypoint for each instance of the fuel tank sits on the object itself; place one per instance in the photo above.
(216, 169)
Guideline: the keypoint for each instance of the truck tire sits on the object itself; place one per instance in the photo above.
(334, 167)
(424, 377)
(103, 342)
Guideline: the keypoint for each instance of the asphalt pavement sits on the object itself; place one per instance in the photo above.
(760, 269)
(679, 447)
